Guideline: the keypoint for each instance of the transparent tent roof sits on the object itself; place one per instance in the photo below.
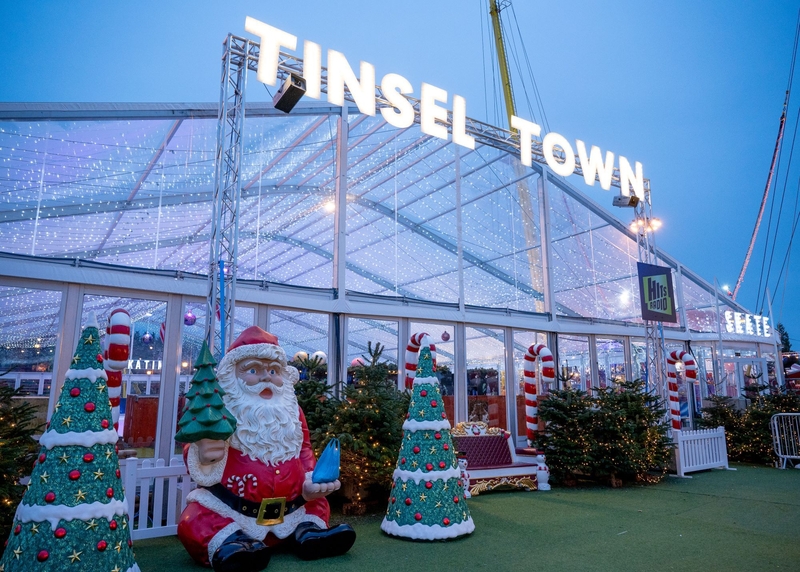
(132, 185)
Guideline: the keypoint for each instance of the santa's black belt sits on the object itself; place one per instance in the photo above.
(269, 511)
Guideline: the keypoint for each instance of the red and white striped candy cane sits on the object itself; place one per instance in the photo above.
(690, 366)
(412, 356)
(540, 352)
(118, 343)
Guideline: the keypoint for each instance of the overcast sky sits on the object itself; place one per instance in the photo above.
(692, 90)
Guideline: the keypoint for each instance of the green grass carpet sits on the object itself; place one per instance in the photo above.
(747, 519)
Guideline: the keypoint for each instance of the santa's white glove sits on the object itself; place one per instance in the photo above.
(312, 490)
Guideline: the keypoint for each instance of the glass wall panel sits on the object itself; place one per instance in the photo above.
(574, 362)
(444, 338)
(524, 339)
(363, 331)
(701, 307)
(704, 354)
(638, 359)
(302, 334)
(141, 382)
(486, 376)
(611, 367)
(29, 325)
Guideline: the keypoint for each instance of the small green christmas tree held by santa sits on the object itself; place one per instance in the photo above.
(74, 514)
(205, 416)
(427, 500)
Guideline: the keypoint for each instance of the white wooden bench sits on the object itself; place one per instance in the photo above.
(161, 494)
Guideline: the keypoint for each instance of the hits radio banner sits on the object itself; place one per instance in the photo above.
(656, 293)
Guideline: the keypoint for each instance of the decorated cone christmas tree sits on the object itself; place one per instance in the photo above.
(427, 500)
(205, 416)
(73, 515)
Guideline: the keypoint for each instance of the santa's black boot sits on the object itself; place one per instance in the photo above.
(314, 542)
(240, 553)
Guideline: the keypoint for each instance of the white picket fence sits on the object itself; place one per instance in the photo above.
(786, 438)
(156, 495)
(699, 450)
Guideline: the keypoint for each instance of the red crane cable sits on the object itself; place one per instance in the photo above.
(764, 198)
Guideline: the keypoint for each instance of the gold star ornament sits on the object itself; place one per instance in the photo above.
(92, 524)
(80, 495)
(75, 556)
(98, 474)
(44, 476)
(89, 340)
(34, 529)
(101, 387)
(67, 420)
(17, 552)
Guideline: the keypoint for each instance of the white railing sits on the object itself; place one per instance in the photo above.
(156, 495)
(699, 450)
(786, 437)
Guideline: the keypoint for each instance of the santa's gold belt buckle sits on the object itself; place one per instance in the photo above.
(271, 511)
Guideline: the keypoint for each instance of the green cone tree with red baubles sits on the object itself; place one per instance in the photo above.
(205, 416)
(427, 500)
(74, 514)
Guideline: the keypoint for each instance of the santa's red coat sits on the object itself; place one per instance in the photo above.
(254, 481)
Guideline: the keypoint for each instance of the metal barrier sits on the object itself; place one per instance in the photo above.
(701, 449)
(786, 438)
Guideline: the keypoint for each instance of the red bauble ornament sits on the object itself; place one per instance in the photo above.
(442, 464)
(416, 449)
(434, 403)
(423, 393)
(110, 492)
(130, 543)
(116, 448)
(455, 500)
(102, 545)
(99, 358)
(117, 473)
(408, 415)
(17, 529)
(43, 555)
(393, 500)
(50, 497)
(89, 407)
(74, 475)
(60, 533)
(428, 485)
(75, 391)
(418, 516)
(104, 424)
(403, 461)
(446, 447)
(446, 521)
(88, 458)
(437, 435)
(429, 466)
(42, 457)
(112, 525)
(408, 502)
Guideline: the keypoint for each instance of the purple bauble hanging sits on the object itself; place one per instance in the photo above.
(147, 338)
(189, 319)
(445, 336)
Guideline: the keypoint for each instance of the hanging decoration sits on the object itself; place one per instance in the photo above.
(445, 336)
(189, 318)
(147, 338)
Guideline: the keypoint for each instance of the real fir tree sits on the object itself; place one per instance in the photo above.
(17, 452)
(427, 499)
(205, 416)
(74, 514)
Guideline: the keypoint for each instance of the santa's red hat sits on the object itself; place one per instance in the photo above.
(253, 343)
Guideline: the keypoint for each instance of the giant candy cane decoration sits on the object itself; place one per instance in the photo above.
(117, 342)
(412, 356)
(541, 352)
(691, 373)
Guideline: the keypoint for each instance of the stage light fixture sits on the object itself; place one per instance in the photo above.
(290, 93)
(625, 201)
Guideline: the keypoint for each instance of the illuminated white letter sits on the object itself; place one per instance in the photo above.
(729, 322)
(272, 39)
(429, 112)
(460, 123)
(627, 179)
(758, 321)
(738, 322)
(593, 165)
(548, 143)
(401, 114)
(362, 90)
(748, 324)
(766, 327)
(526, 130)
(312, 68)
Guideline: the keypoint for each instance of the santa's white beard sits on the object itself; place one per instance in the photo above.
(268, 430)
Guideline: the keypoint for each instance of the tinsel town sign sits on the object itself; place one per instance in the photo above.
(432, 113)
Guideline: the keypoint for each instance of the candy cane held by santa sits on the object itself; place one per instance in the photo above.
(117, 342)
(412, 357)
(540, 352)
(690, 366)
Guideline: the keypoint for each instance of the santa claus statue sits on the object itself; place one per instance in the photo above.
(255, 488)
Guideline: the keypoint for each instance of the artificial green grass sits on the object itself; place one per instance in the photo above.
(747, 519)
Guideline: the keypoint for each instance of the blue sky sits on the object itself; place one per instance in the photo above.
(693, 90)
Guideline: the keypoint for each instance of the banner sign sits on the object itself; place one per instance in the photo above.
(656, 293)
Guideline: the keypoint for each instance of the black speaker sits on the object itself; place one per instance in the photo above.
(290, 93)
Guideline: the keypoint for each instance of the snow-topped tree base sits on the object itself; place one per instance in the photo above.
(74, 514)
(427, 500)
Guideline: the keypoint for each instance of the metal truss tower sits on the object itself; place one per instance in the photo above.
(238, 55)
